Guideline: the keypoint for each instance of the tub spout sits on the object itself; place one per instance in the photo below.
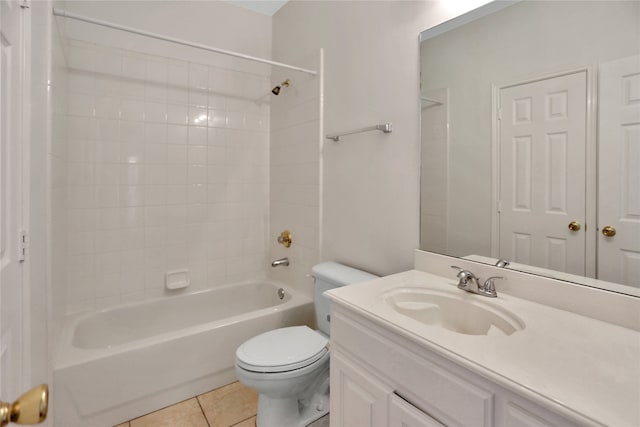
(281, 261)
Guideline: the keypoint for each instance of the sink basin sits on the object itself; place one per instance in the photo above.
(461, 312)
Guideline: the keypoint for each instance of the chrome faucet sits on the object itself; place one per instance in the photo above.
(281, 261)
(467, 281)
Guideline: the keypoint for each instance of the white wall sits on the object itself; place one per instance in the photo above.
(38, 349)
(368, 206)
(370, 187)
(57, 232)
(295, 172)
(214, 23)
(167, 160)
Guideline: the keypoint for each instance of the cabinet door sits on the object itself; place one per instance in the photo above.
(358, 399)
(404, 414)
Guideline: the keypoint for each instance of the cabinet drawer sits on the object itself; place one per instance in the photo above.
(449, 397)
(404, 414)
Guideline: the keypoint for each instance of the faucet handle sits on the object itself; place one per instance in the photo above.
(489, 287)
(462, 273)
(464, 276)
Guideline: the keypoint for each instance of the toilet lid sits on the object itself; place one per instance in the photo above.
(281, 350)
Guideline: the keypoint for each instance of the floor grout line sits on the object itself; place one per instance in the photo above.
(206, 420)
(241, 421)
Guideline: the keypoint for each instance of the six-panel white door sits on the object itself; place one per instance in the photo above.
(542, 142)
(619, 171)
(11, 90)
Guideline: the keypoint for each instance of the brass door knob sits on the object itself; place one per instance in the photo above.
(30, 408)
(608, 231)
(574, 226)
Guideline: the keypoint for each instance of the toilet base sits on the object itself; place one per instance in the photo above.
(291, 412)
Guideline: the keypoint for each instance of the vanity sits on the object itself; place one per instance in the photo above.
(411, 349)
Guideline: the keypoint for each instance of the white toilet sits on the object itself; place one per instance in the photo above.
(289, 367)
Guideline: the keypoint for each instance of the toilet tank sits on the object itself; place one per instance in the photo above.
(330, 275)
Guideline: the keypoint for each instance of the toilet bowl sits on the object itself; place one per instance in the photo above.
(289, 367)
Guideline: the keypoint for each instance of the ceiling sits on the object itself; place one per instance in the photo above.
(265, 7)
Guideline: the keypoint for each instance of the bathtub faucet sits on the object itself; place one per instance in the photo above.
(281, 261)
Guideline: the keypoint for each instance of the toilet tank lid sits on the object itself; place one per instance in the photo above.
(340, 274)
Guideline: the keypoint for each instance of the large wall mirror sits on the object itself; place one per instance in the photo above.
(531, 139)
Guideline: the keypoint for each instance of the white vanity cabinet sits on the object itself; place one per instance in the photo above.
(381, 378)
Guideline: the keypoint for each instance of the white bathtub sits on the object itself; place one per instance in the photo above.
(120, 363)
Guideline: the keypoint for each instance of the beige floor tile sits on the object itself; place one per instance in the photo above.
(322, 422)
(251, 422)
(123, 424)
(183, 414)
(229, 405)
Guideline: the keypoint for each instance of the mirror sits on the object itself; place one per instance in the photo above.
(531, 139)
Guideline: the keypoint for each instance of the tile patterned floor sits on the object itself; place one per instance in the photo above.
(233, 405)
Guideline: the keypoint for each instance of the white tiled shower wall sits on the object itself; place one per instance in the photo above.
(295, 172)
(167, 168)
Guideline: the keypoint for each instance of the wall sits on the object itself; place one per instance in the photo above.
(57, 232)
(167, 161)
(294, 197)
(595, 32)
(367, 190)
(370, 182)
(213, 23)
(167, 170)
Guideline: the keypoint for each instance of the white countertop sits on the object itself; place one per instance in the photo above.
(587, 369)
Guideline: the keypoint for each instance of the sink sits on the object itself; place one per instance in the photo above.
(458, 312)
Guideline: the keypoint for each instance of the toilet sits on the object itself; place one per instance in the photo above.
(289, 367)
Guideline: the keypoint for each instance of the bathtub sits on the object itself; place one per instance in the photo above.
(117, 364)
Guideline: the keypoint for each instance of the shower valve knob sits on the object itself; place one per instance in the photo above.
(285, 238)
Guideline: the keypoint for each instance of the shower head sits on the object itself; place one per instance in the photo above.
(276, 90)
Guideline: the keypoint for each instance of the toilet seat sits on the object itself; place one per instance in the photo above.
(281, 350)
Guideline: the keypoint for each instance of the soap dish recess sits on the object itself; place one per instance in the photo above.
(177, 279)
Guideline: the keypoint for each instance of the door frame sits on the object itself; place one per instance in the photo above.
(24, 147)
(26, 122)
(590, 156)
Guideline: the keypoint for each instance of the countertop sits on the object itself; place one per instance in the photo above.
(586, 369)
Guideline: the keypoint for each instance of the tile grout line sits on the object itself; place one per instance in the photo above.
(248, 418)
(202, 410)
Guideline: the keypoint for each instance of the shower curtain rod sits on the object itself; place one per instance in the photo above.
(65, 14)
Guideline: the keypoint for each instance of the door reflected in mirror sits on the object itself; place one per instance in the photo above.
(531, 139)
